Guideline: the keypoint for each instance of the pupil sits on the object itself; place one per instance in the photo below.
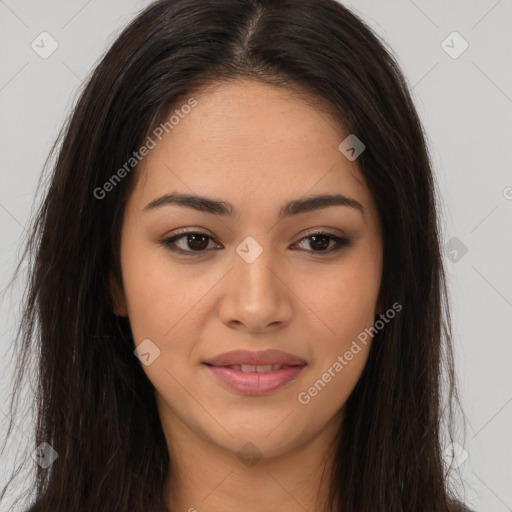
(194, 241)
(314, 240)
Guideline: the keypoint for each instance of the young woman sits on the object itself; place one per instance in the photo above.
(237, 295)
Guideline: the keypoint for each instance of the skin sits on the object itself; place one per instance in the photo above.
(255, 146)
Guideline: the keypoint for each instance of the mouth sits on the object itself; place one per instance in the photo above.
(255, 372)
(249, 379)
(256, 368)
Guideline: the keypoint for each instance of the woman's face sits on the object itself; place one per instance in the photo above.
(254, 278)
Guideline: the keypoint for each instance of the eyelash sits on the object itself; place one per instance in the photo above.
(170, 242)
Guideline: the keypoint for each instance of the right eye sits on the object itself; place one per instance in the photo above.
(196, 240)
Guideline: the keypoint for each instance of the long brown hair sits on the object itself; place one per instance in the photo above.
(94, 404)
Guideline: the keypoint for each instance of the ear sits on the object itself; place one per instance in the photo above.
(118, 300)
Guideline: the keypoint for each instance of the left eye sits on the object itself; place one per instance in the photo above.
(322, 241)
(199, 242)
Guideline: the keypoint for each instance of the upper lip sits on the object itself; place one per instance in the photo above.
(255, 358)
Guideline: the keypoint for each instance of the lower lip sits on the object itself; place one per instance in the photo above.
(253, 383)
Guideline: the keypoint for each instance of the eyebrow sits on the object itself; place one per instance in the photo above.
(217, 207)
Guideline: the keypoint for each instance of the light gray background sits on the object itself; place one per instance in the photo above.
(466, 107)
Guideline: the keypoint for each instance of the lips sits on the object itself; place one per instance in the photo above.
(250, 360)
(255, 373)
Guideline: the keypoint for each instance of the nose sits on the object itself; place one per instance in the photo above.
(257, 297)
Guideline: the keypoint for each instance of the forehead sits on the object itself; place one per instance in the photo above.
(250, 143)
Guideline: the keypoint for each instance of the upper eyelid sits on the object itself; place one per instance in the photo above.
(199, 232)
(204, 231)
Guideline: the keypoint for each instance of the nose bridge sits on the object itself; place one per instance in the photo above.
(255, 268)
(256, 296)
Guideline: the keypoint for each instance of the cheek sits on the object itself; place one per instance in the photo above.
(331, 387)
(345, 298)
(346, 305)
(347, 312)
(158, 297)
